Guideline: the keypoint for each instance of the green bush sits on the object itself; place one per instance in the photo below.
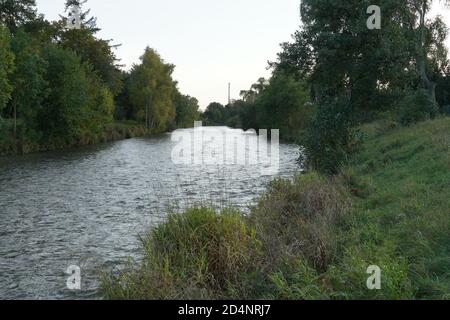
(330, 138)
(196, 255)
(416, 106)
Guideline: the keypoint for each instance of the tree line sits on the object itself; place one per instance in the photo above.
(61, 86)
(336, 73)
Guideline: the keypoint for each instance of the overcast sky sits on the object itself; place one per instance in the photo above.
(211, 42)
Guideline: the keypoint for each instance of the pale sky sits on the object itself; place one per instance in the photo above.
(211, 42)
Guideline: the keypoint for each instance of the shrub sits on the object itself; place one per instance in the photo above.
(196, 255)
(299, 218)
(330, 138)
(416, 106)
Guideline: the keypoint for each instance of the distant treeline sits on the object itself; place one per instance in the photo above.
(337, 74)
(61, 87)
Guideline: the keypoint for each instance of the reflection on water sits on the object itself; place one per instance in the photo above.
(86, 207)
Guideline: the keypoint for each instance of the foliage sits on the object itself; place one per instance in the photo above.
(61, 87)
(151, 91)
(416, 106)
(214, 115)
(6, 67)
(279, 103)
(330, 138)
(283, 105)
(187, 110)
(17, 13)
(30, 88)
(69, 113)
(98, 52)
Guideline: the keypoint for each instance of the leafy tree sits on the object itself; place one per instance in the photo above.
(283, 105)
(151, 91)
(338, 55)
(98, 52)
(6, 67)
(16, 13)
(215, 114)
(78, 103)
(256, 89)
(30, 88)
(65, 110)
(187, 110)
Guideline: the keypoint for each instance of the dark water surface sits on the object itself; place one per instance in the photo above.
(87, 206)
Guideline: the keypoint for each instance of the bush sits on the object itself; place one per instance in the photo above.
(330, 138)
(300, 218)
(196, 255)
(416, 106)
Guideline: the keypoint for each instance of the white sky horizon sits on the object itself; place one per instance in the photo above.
(211, 43)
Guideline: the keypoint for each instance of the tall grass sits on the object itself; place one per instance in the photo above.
(200, 254)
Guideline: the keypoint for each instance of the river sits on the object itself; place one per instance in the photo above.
(87, 207)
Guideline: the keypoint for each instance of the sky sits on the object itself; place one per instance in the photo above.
(212, 43)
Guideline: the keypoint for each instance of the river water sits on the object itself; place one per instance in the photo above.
(87, 207)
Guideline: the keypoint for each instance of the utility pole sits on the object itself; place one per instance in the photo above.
(229, 93)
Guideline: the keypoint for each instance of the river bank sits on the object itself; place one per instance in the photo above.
(118, 130)
(313, 237)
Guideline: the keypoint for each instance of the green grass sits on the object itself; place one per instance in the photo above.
(314, 237)
(401, 216)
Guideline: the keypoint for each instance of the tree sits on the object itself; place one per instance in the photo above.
(6, 67)
(16, 13)
(256, 89)
(30, 88)
(78, 104)
(214, 114)
(283, 105)
(151, 91)
(186, 110)
(98, 52)
(338, 55)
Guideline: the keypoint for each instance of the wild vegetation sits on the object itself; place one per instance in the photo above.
(368, 108)
(313, 237)
(64, 87)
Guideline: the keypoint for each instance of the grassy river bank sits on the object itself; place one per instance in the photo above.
(314, 237)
